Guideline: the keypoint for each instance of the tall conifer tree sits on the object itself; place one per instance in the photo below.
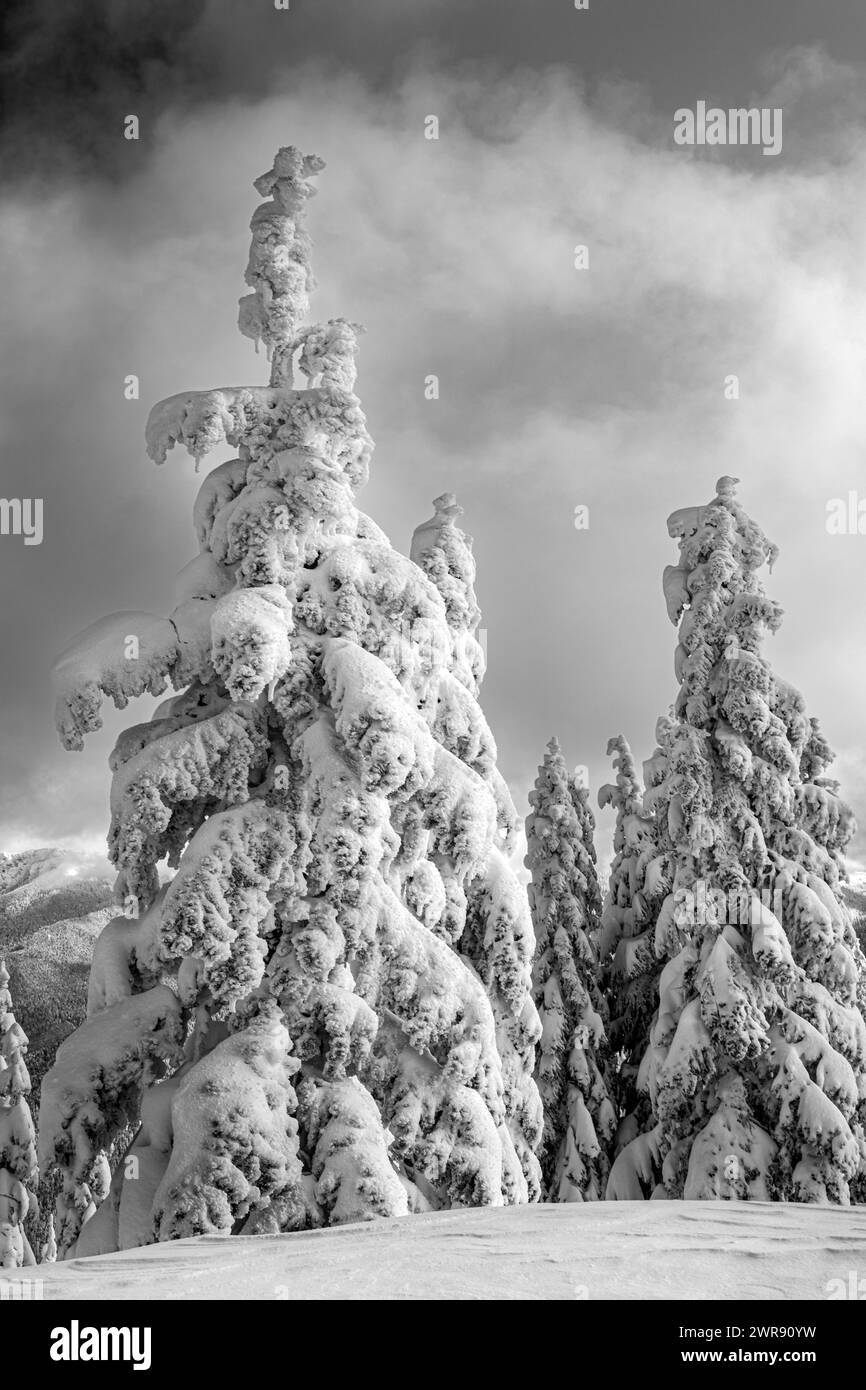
(564, 896)
(324, 786)
(756, 1066)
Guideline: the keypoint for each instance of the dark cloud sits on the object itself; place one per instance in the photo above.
(71, 69)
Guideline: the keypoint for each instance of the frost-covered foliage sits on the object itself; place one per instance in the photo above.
(565, 900)
(444, 553)
(91, 1094)
(756, 1066)
(498, 937)
(19, 1173)
(234, 1139)
(640, 879)
(325, 786)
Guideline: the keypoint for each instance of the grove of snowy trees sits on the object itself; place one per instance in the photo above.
(19, 1173)
(339, 999)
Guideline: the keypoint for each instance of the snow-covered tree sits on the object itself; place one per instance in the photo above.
(757, 1061)
(627, 959)
(640, 878)
(324, 785)
(565, 901)
(19, 1173)
(487, 914)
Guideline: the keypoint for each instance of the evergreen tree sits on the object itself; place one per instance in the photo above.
(640, 878)
(757, 1061)
(324, 786)
(19, 1173)
(625, 941)
(565, 901)
(490, 920)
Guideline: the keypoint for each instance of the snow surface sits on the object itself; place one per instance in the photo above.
(598, 1250)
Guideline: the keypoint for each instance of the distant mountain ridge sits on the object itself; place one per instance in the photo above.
(853, 894)
(53, 905)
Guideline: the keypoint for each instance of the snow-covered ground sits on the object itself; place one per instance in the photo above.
(626, 1250)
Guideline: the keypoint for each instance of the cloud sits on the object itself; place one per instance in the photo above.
(557, 386)
(71, 72)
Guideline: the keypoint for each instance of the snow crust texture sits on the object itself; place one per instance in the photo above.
(572, 1253)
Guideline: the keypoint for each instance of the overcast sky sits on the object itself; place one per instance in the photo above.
(558, 387)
